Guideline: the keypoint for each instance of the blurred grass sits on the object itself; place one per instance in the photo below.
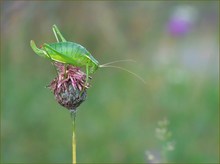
(118, 120)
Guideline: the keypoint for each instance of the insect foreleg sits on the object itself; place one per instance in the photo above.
(53, 64)
(87, 78)
(57, 32)
(87, 73)
(65, 59)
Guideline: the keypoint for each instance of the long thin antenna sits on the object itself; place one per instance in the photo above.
(117, 61)
(112, 66)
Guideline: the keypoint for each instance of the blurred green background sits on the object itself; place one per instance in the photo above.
(176, 46)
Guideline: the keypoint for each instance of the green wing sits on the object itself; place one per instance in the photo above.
(55, 55)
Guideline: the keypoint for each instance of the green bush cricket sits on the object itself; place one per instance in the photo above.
(72, 53)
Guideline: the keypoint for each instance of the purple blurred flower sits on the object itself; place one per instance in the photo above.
(179, 27)
(181, 21)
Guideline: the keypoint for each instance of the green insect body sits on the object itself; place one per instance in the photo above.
(67, 52)
(71, 53)
(74, 54)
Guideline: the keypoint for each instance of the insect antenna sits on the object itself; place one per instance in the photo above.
(117, 61)
(126, 70)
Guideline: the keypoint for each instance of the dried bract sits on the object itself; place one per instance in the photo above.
(69, 86)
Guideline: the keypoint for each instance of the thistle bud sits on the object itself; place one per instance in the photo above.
(69, 86)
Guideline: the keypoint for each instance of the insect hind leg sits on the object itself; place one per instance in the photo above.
(57, 33)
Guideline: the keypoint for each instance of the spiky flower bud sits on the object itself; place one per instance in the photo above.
(69, 86)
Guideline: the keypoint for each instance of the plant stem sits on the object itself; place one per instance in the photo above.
(73, 117)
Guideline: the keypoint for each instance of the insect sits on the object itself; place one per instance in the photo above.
(72, 53)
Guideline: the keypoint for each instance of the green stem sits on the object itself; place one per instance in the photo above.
(164, 153)
(73, 117)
